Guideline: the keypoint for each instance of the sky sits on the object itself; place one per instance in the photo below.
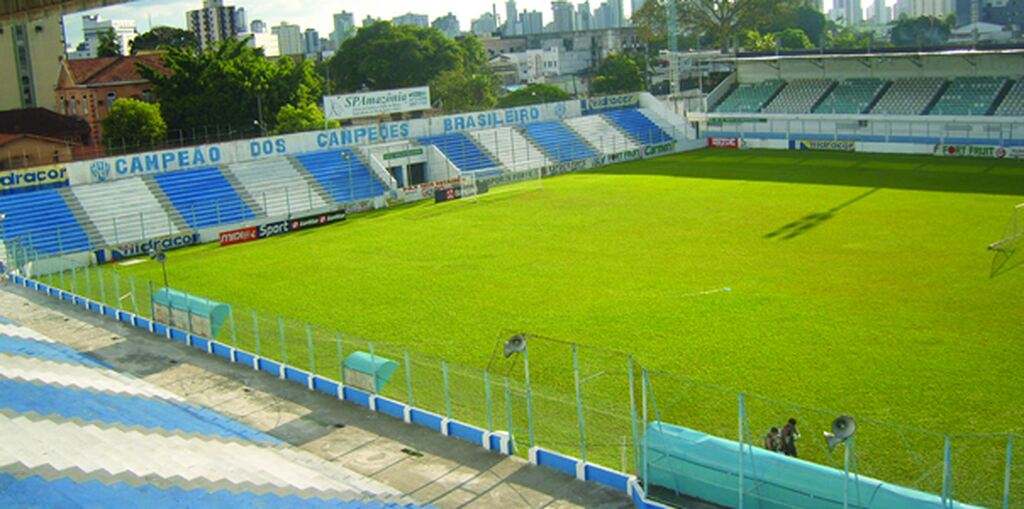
(305, 13)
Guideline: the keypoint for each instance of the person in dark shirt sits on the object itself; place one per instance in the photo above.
(789, 437)
(772, 441)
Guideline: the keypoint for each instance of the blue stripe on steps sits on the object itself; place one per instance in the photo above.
(120, 409)
(37, 492)
(43, 350)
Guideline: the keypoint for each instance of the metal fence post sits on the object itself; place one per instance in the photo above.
(529, 394)
(135, 302)
(741, 414)
(117, 289)
(408, 376)
(1009, 468)
(579, 403)
(341, 359)
(62, 285)
(508, 410)
(947, 475)
(373, 362)
(309, 344)
(632, 414)
(643, 398)
(256, 330)
(447, 395)
(88, 282)
(231, 322)
(74, 280)
(152, 305)
(284, 353)
(487, 396)
(103, 293)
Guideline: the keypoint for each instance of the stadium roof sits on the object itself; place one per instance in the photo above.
(23, 10)
(876, 53)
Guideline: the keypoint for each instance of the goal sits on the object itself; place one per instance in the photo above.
(1014, 232)
(468, 186)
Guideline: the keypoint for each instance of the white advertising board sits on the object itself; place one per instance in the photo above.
(376, 103)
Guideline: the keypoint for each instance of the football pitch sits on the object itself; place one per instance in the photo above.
(858, 283)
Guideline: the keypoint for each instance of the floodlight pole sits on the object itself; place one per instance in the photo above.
(529, 392)
(846, 474)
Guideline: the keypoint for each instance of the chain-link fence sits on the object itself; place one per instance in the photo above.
(591, 403)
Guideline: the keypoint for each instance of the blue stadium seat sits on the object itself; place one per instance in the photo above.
(638, 126)
(43, 221)
(69, 403)
(460, 151)
(559, 142)
(203, 197)
(342, 174)
(13, 345)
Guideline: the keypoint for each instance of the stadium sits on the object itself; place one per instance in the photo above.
(628, 290)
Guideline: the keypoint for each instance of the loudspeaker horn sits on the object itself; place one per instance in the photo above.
(514, 345)
(843, 428)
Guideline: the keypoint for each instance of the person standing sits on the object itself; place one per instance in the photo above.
(771, 440)
(789, 437)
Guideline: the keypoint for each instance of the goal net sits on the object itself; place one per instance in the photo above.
(467, 183)
(1014, 232)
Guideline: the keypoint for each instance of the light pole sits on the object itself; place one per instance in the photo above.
(161, 258)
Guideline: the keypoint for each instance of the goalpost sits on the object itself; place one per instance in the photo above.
(1014, 232)
(468, 186)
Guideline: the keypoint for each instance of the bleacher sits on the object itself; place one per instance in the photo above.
(851, 96)
(460, 150)
(77, 433)
(124, 210)
(969, 95)
(42, 221)
(601, 133)
(203, 197)
(799, 96)
(559, 141)
(908, 96)
(1013, 102)
(342, 174)
(639, 126)
(749, 97)
(276, 186)
(513, 151)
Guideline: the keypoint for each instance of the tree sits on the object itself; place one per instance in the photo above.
(463, 91)
(755, 41)
(306, 117)
(793, 39)
(164, 36)
(617, 74)
(109, 44)
(722, 21)
(229, 86)
(533, 94)
(920, 31)
(384, 56)
(133, 123)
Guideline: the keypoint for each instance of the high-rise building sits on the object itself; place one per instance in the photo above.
(532, 22)
(878, 13)
(213, 23)
(416, 20)
(448, 25)
(848, 11)
(369, 20)
(637, 5)
(583, 17)
(917, 8)
(258, 26)
(264, 41)
(563, 16)
(344, 27)
(618, 18)
(486, 24)
(241, 20)
(93, 27)
(311, 43)
(602, 17)
(511, 18)
(289, 39)
(28, 79)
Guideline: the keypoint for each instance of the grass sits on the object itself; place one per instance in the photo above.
(859, 283)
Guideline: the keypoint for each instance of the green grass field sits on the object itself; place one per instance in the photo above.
(859, 283)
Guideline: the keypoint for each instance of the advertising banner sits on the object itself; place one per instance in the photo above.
(714, 142)
(608, 102)
(372, 104)
(140, 248)
(26, 178)
(979, 151)
(276, 228)
(833, 145)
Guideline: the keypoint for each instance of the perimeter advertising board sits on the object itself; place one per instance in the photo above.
(979, 151)
(273, 229)
(373, 104)
(27, 179)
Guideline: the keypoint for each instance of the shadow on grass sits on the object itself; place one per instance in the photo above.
(1004, 261)
(887, 171)
(806, 223)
